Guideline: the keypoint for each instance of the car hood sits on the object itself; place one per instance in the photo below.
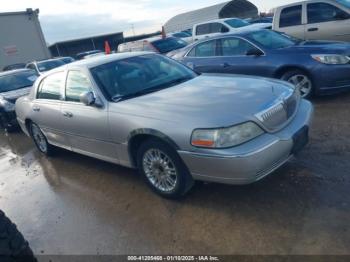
(320, 47)
(209, 100)
(13, 95)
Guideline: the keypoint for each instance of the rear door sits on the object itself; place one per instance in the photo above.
(291, 21)
(203, 57)
(326, 21)
(47, 108)
(86, 127)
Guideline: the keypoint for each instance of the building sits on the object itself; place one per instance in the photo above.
(73, 47)
(22, 39)
(234, 8)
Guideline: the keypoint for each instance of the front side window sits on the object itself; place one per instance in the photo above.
(323, 12)
(77, 84)
(139, 75)
(205, 49)
(50, 87)
(291, 16)
(218, 28)
(234, 47)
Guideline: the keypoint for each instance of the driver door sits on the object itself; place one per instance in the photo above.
(86, 126)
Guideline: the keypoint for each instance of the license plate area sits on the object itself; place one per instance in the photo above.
(300, 140)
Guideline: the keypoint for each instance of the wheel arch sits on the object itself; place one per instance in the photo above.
(284, 69)
(138, 136)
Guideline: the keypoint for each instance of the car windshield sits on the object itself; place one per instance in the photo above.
(48, 65)
(17, 80)
(181, 34)
(168, 44)
(345, 3)
(236, 23)
(272, 40)
(139, 75)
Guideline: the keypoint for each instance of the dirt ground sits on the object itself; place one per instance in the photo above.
(71, 204)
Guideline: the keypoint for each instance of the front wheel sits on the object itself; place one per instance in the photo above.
(163, 169)
(40, 140)
(301, 81)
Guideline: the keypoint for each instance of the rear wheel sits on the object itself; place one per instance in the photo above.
(163, 169)
(13, 246)
(40, 140)
(301, 81)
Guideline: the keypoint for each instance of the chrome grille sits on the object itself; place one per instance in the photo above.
(279, 114)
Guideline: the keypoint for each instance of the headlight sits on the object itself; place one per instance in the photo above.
(225, 137)
(6, 105)
(332, 59)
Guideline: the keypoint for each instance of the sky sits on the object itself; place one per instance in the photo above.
(70, 19)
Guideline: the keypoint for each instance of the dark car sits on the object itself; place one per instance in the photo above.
(45, 65)
(13, 84)
(315, 67)
(14, 67)
(154, 44)
(81, 55)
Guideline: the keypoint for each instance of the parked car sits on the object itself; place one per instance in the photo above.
(147, 111)
(45, 65)
(154, 44)
(314, 67)
(315, 20)
(266, 19)
(14, 67)
(66, 59)
(13, 84)
(222, 26)
(184, 35)
(82, 55)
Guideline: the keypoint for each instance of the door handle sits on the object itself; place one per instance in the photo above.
(225, 65)
(36, 108)
(313, 29)
(67, 114)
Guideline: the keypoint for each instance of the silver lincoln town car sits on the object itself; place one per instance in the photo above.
(146, 111)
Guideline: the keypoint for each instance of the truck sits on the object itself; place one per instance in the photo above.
(314, 20)
(22, 39)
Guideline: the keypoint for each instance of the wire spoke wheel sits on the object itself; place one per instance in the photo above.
(160, 170)
(302, 83)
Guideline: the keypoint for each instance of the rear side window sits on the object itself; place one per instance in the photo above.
(77, 84)
(205, 49)
(50, 87)
(291, 16)
(323, 12)
(203, 29)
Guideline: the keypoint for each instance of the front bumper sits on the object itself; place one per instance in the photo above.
(330, 79)
(8, 119)
(251, 161)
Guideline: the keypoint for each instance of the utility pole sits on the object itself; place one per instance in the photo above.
(133, 29)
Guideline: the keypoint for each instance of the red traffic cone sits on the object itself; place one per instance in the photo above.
(107, 48)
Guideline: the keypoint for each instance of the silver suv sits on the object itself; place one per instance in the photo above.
(147, 111)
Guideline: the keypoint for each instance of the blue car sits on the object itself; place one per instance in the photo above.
(314, 67)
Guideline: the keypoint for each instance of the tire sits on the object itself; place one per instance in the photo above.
(13, 246)
(163, 169)
(40, 140)
(296, 77)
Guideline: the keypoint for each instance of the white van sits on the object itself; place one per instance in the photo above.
(315, 20)
(221, 26)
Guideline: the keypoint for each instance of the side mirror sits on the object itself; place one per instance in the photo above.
(254, 52)
(88, 98)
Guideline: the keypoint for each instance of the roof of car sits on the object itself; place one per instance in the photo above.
(100, 60)
(11, 72)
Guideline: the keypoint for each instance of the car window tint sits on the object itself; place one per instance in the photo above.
(50, 87)
(323, 12)
(218, 28)
(77, 84)
(204, 49)
(203, 29)
(234, 47)
(291, 16)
